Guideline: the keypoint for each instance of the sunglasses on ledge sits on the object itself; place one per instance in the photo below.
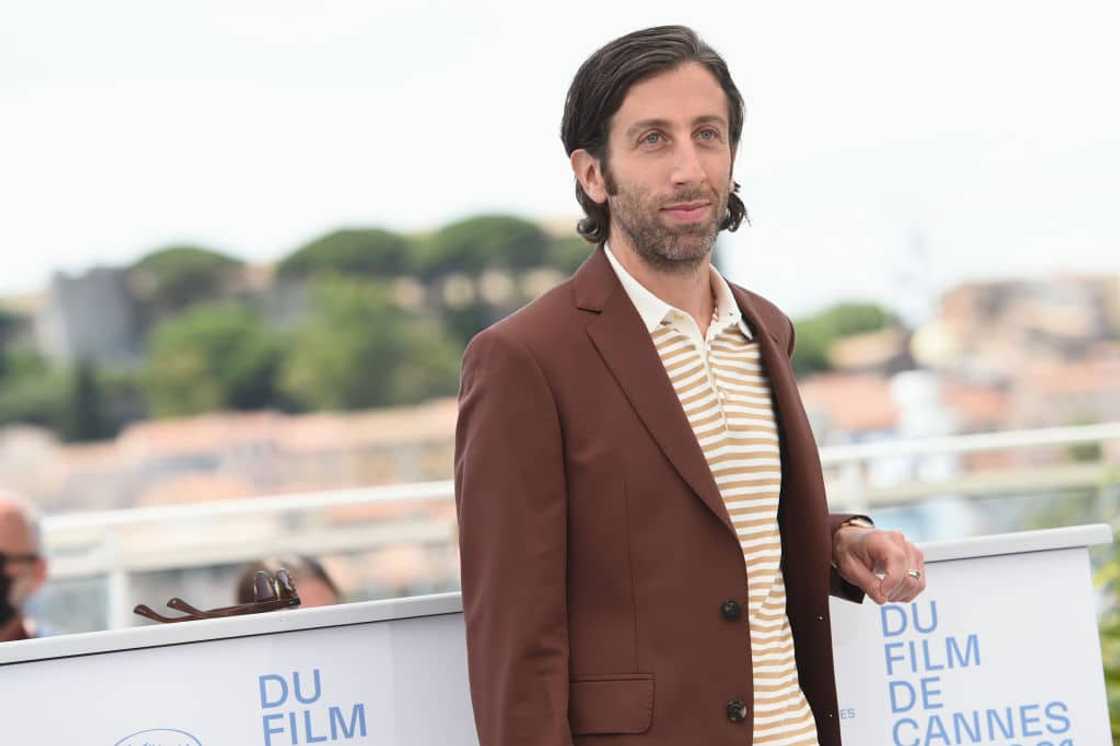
(16, 559)
(270, 592)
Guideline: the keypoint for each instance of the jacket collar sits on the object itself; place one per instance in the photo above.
(619, 334)
(594, 283)
(655, 311)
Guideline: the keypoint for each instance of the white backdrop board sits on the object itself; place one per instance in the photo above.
(390, 672)
(1001, 649)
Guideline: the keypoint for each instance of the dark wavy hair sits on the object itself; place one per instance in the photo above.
(601, 84)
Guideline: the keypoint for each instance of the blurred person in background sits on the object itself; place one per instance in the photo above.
(23, 570)
(313, 584)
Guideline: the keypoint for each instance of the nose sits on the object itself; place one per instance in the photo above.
(687, 169)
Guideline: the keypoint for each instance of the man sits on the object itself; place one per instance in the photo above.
(22, 567)
(644, 536)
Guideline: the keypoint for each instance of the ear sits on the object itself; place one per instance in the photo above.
(590, 176)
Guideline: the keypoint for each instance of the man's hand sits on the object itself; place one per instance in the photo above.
(883, 563)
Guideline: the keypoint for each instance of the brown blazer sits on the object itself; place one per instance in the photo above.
(596, 550)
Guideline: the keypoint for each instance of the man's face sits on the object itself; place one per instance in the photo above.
(667, 173)
(15, 541)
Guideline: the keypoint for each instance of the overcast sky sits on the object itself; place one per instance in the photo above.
(890, 147)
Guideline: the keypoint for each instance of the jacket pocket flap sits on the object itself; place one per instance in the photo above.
(615, 703)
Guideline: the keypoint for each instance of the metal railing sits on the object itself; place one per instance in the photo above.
(851, 487)
(118, 544)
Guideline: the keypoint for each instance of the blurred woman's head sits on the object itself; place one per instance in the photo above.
(313, 584)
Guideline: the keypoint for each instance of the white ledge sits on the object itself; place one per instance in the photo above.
(1018, 543)
(159, 635)
(269, 623)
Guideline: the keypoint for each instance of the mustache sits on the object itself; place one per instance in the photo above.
(691, 195)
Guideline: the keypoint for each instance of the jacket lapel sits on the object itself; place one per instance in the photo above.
(627, 349)
(783, 389)
(779, 372)
(625, 346)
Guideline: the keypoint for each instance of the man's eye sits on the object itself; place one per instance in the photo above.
(651, 138)
(709, 134)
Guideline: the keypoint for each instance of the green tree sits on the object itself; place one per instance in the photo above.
(212, 357)
(178, 276)
(365, 252)
(31, 392)
(9, 322)
(817, 333)
(84, 417)
(430, 367)
(463, 323)
(1109, 578)
(124, 397)
(477, 243)
(359, 350)
(566, 254)
(79, 404)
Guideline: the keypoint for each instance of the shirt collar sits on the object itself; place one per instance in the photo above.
(653, 310)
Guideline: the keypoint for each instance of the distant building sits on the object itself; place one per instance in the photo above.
(92, 316)
(231, 454)
(886, 351)
(1022, 354)
(993, 329)
(843, 407)
(1069, 392)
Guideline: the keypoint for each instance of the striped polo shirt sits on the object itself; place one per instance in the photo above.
(720, 382)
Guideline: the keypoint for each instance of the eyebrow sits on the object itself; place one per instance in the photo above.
(666, 124)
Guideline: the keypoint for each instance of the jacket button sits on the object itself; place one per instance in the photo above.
(731, 610)
(736, 710)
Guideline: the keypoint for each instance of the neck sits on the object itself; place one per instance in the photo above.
(689, 288)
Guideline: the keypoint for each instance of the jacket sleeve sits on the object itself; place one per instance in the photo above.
(510, 495)
(837, 585)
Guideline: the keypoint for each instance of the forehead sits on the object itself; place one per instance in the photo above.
(681, 95)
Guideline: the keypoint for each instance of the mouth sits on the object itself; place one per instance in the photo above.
(687, 212)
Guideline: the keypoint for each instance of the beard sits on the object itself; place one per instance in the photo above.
(676, 249)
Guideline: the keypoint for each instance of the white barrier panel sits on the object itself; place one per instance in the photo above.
(384, 672)
(1001, 649)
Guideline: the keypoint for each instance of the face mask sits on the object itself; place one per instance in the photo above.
(7, 608)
